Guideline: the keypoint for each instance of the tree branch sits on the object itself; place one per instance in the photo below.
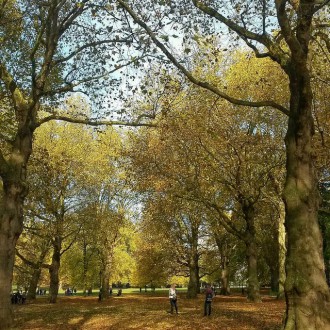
(4, 167)
(26, 261)
(92, 122)
(192, 78)
(72, 15)
(284, 23)
(16, 94)
(88, 45)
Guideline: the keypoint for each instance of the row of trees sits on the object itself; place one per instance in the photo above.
(76, 200)
(50, 48)
(211, 183)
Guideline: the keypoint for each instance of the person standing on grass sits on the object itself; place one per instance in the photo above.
(209, 294)
(173, 298)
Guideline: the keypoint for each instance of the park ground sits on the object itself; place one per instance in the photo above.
(149, 311)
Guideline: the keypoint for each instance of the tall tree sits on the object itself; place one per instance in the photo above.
(58, 187)
(287, 42)
(48, 49)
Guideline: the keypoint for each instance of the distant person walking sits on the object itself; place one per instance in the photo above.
(173, 298)
(209, 294)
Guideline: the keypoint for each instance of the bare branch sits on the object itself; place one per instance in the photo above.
(241, 31)
(70, 86)
(92, 122)
(72, 15)
(192, 78)
(321, 5)
(89, 45)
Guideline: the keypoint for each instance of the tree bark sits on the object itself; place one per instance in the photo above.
(253, 287)
(251, 251)
(85, 267)
(193, 285)
(14, 190)
(221, 241)
(281, 251)
(105, 284)
(54, 270)
(225, 288)
(7, 255)
(33, 285)
(274, 279)
(105, 272)
(306, 290)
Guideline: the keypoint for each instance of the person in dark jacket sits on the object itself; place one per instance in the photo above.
(209, 294)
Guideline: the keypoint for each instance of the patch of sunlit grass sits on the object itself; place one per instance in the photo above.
(75, 320)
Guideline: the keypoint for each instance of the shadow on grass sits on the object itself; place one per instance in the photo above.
(145, 312)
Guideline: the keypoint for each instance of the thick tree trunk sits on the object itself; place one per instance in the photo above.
(225, 288)
(222, 245)
(105, 284)
(306, 289)
(281, 237)
(105, 273)
(251, 252)
(7, 256)
(54, 270)
(11, 226)
(274, 279)
(33, 285)
(14, 191)
(193, 285)
(253, 286)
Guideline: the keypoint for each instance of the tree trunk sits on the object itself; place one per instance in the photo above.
(193, 285)
(33, 285)
(105, 284)
(54, 270)
(306, 289)
(323, 220)
(7, 256)
(274, 279)
(11, 227)
(85, 268)
(225, 289)
(14, 190)
(105, 273)
(281, 251)
(222, 244)
(253, 286)
(251, 252)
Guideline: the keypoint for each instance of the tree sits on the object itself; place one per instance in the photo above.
(225, 245)
(220, 161)
(48, 49)
(58, 188)
(306, 290)
(33, 248)
(153, 256)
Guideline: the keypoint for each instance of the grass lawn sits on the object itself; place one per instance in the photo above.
(149, 311)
